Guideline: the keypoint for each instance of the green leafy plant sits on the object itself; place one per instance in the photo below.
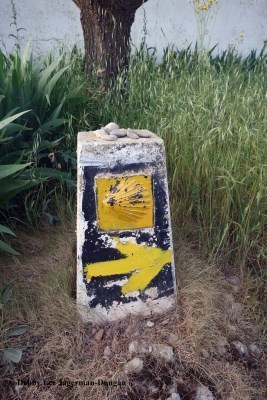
(9, 355)
(12, 182)
(3, 245)
(48, 88)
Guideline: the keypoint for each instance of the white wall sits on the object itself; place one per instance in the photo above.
(173, 21)
(48, 22)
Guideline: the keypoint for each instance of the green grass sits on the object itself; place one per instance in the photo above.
(42, 93)
(212, 117)
(213, 120)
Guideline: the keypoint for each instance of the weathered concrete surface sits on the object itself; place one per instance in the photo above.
(125, 258)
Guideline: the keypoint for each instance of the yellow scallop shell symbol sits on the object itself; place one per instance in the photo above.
(125, 202)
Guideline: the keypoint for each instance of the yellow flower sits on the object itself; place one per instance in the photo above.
(202, 7)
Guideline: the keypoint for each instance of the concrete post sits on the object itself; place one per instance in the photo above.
(124, 240)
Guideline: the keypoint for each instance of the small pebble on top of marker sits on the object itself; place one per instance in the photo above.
(113, 132)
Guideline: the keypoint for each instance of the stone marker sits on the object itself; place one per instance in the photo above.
(125, 257)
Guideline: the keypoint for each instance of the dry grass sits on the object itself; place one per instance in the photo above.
(59, 346)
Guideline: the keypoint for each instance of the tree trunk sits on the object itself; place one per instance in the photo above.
(106, 27)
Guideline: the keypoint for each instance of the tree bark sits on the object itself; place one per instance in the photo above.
(106, 28)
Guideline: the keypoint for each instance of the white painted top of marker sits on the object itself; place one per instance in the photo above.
(90, 136)
(92, 150)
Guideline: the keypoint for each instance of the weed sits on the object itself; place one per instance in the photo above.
(213, 121)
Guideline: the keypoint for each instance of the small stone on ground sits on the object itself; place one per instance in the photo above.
(174, 396)
(107, 352)
(203, 393)
(234, 280)
(99, 335)
(134, 366)
(239, 348)
(255, 350)
(161, 351)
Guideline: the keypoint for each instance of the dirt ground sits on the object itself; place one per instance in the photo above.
(212, 310)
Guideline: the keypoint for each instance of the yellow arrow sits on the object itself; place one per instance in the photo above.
(145, 261)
